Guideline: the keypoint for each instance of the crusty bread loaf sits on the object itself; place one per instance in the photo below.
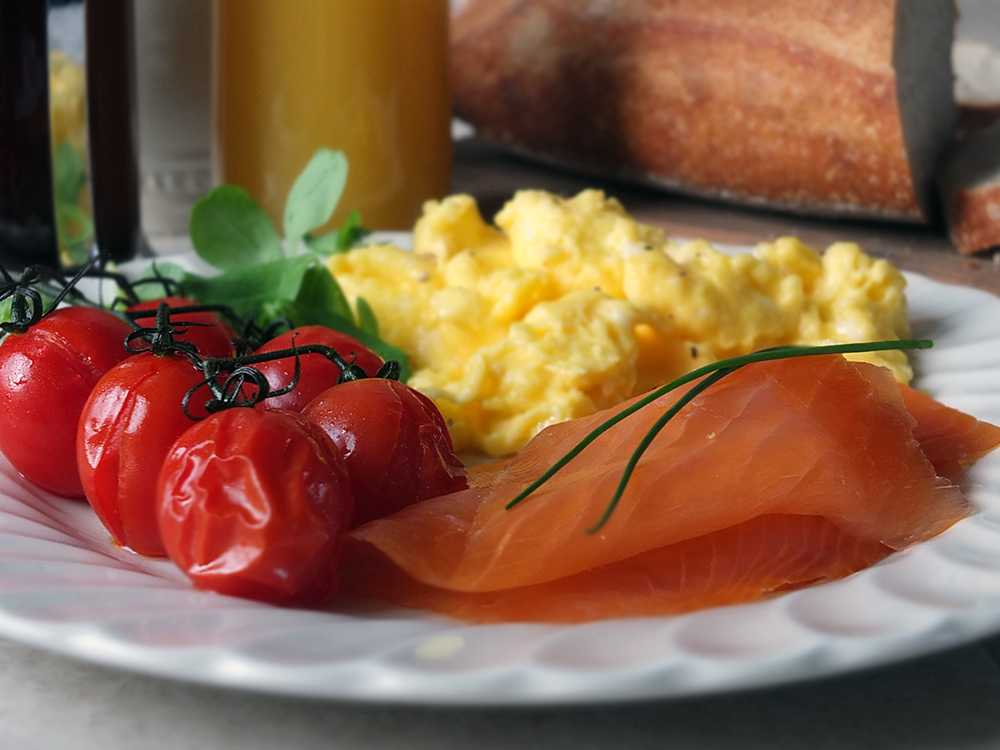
(825, 106)
(969, 173)
(970, 190)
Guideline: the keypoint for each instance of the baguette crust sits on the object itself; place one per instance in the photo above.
(975, 219)
(784, 103)
(970, 188)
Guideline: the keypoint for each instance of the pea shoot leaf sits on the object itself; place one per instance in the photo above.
(230, 230)
(315, 195)
(7, 310)
(324, 244)
(320, 289)
(352, 233)
(263, 277)
(303, 315)
(340, 240)
(146, 286)
(246, 289)
(366, 317)
(69, 173)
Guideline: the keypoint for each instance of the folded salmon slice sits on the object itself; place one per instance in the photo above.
(951, 440)
(782, 474)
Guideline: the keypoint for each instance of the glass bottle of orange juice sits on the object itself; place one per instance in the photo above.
(367, 77)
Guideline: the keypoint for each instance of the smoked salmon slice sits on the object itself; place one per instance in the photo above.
(951, 439)
(782, 474)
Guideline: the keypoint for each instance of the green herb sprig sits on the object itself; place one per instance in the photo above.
(267, 278)
(710, 374)
(75, 225)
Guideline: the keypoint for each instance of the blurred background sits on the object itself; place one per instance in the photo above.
(174, 80)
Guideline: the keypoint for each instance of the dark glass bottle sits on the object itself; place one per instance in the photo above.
(112, 121)
(32, 200)
(27, 213)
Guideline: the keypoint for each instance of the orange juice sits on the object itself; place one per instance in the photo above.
(366, 77)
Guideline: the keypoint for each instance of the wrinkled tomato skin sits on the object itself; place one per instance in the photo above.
(213, 339)
(255, 504)
(132, 417)
(317, 373)
(394, 441)
(46, 376)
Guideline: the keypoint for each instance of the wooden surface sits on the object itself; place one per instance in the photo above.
(492, 176)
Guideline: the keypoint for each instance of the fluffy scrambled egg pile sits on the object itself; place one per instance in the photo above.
(568, 306)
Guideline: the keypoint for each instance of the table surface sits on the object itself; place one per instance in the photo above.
(949, 700)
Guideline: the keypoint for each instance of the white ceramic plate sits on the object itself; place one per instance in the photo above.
(64, 587)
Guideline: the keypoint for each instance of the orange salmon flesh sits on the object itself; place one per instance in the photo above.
(783, 474)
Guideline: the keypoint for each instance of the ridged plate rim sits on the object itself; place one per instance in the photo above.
(66, 589)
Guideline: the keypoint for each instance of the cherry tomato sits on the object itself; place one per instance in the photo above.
(395, 444)
(316, 372)
(46, 376)
(131, 419)
(212, 337)
(255, 504)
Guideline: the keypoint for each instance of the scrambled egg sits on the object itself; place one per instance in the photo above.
(568, 306)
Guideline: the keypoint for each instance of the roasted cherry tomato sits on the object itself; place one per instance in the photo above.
(133, 416)
(395, 444)
(316, 372)
(255, 504)
(211, 335)
(46, 376)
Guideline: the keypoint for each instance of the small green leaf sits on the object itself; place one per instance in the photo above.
(349, 236)
(315, 195)
(245, 290)
(230, 230)
(269, 312)
(147, 288)
(366, 317)
(7, 303)
(69, 174)
(303, 315)
(75, 226)
(325, 244)
(351, 233)
(76, 232)
(320, 289)
(72, 215)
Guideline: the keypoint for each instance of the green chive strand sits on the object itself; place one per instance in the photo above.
(717, 370)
